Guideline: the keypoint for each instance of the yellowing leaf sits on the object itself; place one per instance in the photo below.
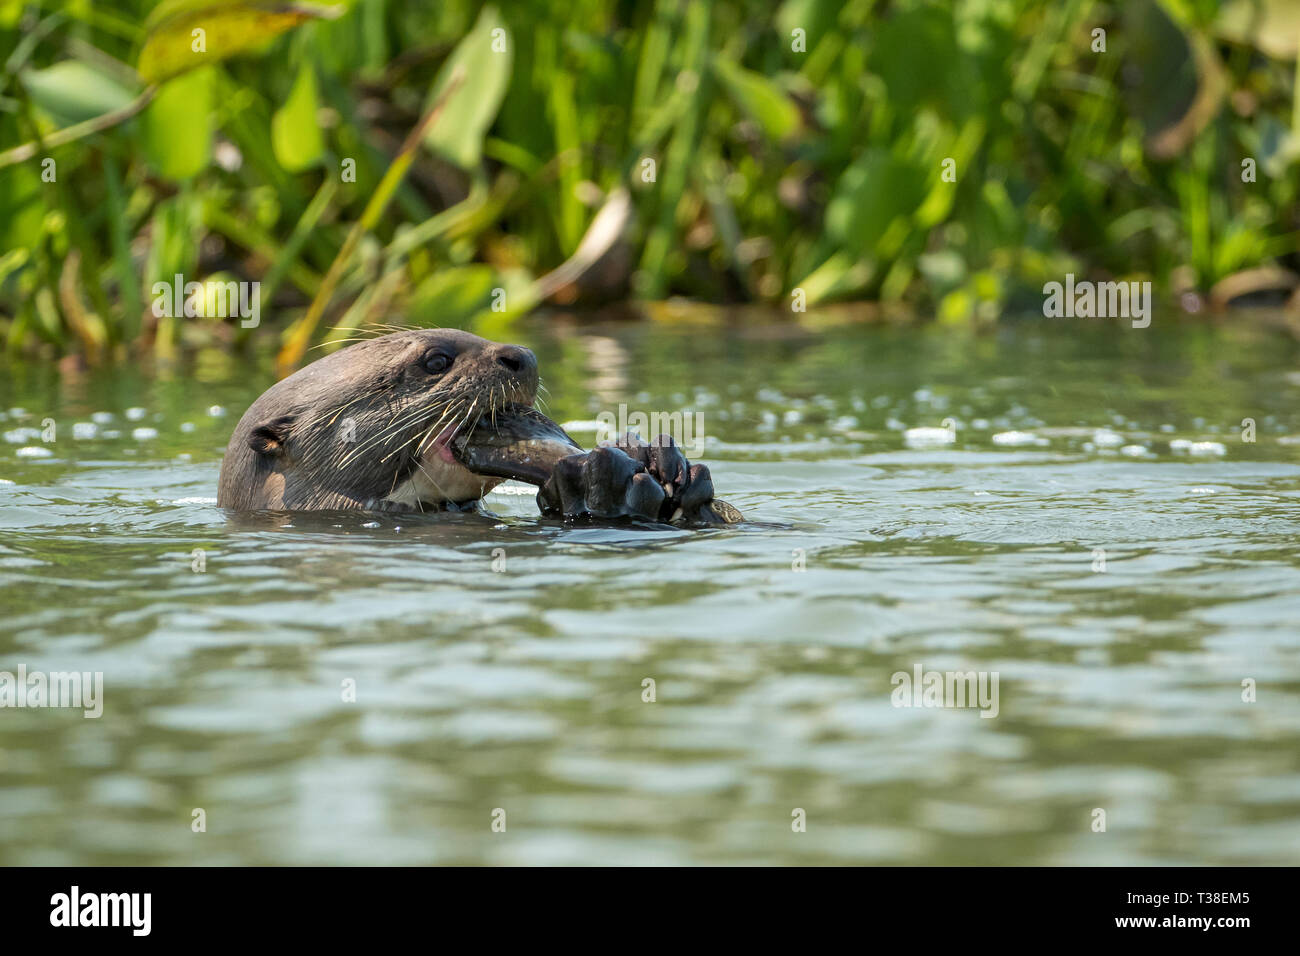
(186, 34)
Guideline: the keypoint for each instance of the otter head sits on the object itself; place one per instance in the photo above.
(371, 425)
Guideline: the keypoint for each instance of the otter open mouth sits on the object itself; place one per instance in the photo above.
(517, 442)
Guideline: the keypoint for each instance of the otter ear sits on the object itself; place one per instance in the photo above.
(270, 438)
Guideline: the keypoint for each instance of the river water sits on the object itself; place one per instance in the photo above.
(1094, 526)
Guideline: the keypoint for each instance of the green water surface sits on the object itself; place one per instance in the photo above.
(1121, 585)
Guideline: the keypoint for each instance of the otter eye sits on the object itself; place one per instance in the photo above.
(438, 362)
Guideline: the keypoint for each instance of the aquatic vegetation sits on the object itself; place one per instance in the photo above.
(461, 164)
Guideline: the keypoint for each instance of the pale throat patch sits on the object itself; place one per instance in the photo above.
(436, 482)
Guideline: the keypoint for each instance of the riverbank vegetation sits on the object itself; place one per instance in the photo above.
(457, 164)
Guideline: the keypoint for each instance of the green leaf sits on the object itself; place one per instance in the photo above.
(838, 276)
(875, 192)
(760, 98)
(295, 134)
(486, 57)
(186, 34)
(177, 126)
(925, 35)
(22, 207)
(452, 297)
(72, 92)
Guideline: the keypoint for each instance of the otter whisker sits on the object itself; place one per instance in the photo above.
(378, 440)
(382, 436)
(330, 416)
(328, 342)
(401, 419)
(334, 415)
(383, 328)
(393, 428)
(359, 330)
(431, 433)
(422, 439)
(439, 402)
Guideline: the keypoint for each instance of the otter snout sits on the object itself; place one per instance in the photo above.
(516, 358)
(519, 365)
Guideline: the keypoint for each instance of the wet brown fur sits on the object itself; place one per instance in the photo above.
(350, 429)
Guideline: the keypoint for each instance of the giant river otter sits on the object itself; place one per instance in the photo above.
(430, 419)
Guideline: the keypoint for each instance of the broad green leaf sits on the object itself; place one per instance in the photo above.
(874, 193)
(177, 126)
(760, 98)
(918, 56)
(485, 55)
(186, 34)
(295, 134)
(71, 92)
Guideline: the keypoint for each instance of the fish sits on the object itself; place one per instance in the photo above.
(516, 442)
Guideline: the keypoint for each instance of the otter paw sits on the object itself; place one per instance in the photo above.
(634, 479)
(602, 483)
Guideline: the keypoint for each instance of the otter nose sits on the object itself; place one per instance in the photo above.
(516, 358)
